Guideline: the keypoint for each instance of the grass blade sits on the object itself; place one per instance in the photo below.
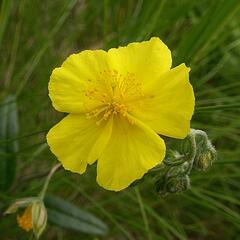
(208, 28)
(8, 130)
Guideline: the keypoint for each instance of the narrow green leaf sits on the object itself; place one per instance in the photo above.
(67, 215)
(8, 130)
(198, 39)
(217, 107)
(4, 15)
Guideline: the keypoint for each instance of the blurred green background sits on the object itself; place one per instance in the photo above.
(36, 36)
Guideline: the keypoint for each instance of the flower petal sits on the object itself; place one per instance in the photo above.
(147, 59)
(132, 150)
(67, 83)
(78, 141)
(170, 109)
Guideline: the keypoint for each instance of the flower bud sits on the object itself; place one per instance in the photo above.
(178, 184)
(204, 160)
(39, 218)
(33, 217)
(195, 151)
(174, 184)
(178, 170)
(206, 152)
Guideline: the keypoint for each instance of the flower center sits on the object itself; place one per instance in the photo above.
(112, 94)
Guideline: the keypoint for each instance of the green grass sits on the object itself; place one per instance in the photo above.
(36, 36)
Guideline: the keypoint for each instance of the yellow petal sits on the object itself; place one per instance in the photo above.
(25, 221)
(78, 141)
(132, 150)
(67, 83)
(147, 59)
(170, 108)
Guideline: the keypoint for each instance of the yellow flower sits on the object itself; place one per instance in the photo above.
(118, 102)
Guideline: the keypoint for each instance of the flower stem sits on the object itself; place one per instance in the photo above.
(44, 189)
(143, 212)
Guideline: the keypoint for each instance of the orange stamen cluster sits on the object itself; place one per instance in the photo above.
(25, 221)
(111, 94)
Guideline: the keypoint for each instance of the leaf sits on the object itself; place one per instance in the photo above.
(8, 146)
(4, 16)
(200, 37)
(67, 215)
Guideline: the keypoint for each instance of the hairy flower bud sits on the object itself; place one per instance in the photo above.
(178, 170)
(178, 184)
(195, 151)
(39, 218)
(205, 160)
(174, 184)
(206, 152)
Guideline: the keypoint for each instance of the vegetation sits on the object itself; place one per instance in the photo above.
(36, 36)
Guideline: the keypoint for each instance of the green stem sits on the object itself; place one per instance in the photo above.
(44, 189)
(143, 212)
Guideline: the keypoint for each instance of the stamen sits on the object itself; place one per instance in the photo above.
(112, 93)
